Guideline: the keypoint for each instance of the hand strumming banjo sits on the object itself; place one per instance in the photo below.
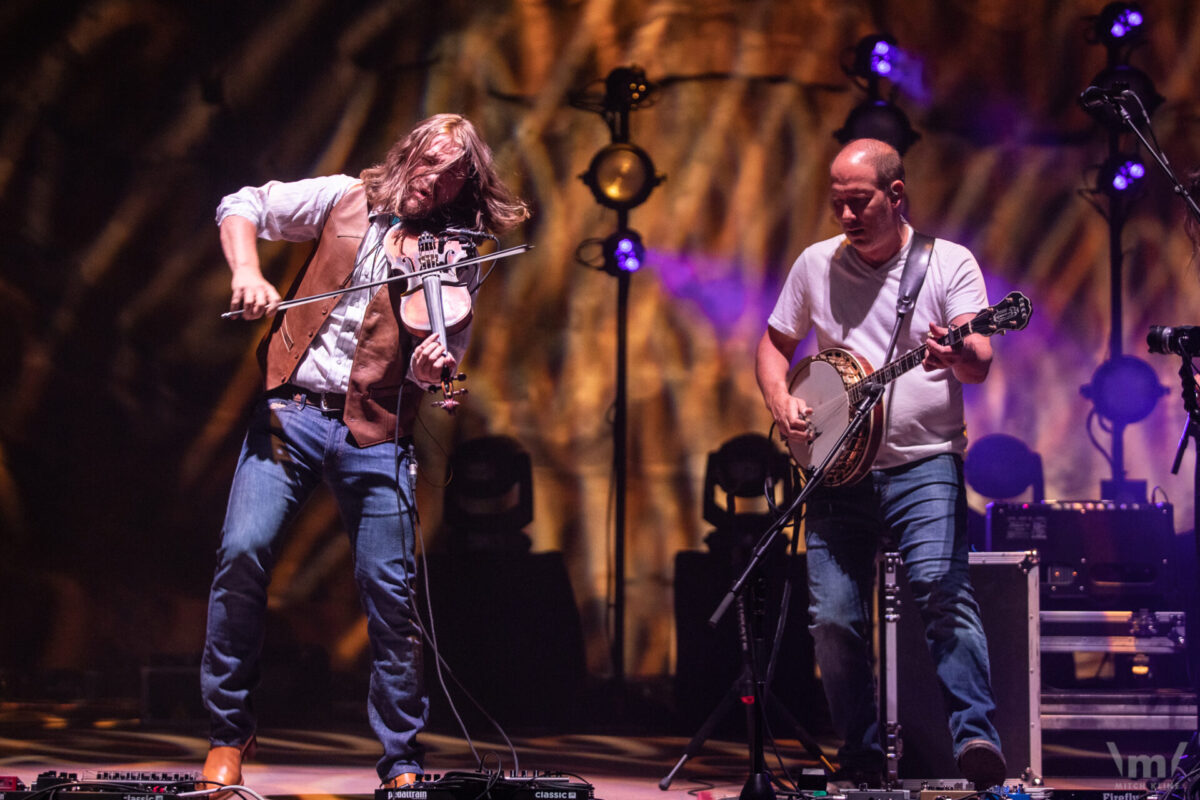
(834, 380)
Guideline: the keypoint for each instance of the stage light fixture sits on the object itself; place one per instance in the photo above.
(621, 176)
(624, 252)
(876, 57)
(1121, 174)
(1120, 24)
(1124, 390)
(1001, 466)
(738, 478)
(625, 88)
(490, 499)
(878, 119)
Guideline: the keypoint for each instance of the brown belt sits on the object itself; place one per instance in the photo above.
(328, 402)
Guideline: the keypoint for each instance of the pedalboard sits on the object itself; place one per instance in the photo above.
(945, 794)
(495, 785)
(103, 786)
(936, 790)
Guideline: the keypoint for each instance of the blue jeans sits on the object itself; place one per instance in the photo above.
(289, 448)
(920, 509)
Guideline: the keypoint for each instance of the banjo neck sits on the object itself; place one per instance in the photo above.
(894, 369)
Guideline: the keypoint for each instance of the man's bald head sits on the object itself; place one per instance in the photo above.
(866, 188)
(881, 156)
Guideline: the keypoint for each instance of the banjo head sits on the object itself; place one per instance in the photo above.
(823, 381)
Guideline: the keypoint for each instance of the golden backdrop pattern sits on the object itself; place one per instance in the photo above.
(129, 118)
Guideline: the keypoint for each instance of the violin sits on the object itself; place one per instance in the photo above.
(443, 305)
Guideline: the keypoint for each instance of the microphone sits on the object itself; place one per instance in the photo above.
(1096, 99)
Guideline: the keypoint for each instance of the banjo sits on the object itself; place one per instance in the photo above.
(834, 380)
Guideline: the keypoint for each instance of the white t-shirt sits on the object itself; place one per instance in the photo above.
(852, 305)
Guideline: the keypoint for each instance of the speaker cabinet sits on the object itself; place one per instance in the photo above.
(508, 626)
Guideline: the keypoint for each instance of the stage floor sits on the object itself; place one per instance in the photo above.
(309, 763)
(338, 761)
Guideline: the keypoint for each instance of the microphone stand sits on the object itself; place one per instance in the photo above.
(758, 784)
(1186, 374)
(1191, 430)
(1151, 144)
(871, 395)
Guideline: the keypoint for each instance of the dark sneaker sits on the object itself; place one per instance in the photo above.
(982, 763)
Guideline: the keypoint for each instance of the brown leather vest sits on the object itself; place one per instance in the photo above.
(381, 357)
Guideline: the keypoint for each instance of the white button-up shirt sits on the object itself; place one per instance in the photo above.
(296, 212)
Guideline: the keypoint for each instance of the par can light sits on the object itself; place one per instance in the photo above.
(621, 176)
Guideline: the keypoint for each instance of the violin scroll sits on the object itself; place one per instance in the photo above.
(450, 394)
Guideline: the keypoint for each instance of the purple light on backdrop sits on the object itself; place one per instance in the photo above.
(903, 69)
(718, 290)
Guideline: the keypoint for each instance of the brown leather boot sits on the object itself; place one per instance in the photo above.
(401, 780)
(223, 766)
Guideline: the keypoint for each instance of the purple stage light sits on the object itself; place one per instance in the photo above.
(881, 58)
(1119, 24)
(1128, 174)
(1121, 174)
(1126, 22)
(623, 252)
(627, 258)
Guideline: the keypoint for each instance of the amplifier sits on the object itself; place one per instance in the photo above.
(1093, 553)
(494, 785)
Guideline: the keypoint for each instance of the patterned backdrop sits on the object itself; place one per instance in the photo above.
(124, 393)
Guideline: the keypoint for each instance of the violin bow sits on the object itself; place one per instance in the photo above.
(466, 262)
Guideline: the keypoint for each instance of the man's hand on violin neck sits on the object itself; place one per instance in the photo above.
(431, 360)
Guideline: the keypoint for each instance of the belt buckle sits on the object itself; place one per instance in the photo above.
(325, 407)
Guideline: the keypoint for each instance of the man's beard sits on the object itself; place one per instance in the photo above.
(412, 207)
(428, 218)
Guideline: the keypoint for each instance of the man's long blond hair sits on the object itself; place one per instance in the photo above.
(484, 202)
